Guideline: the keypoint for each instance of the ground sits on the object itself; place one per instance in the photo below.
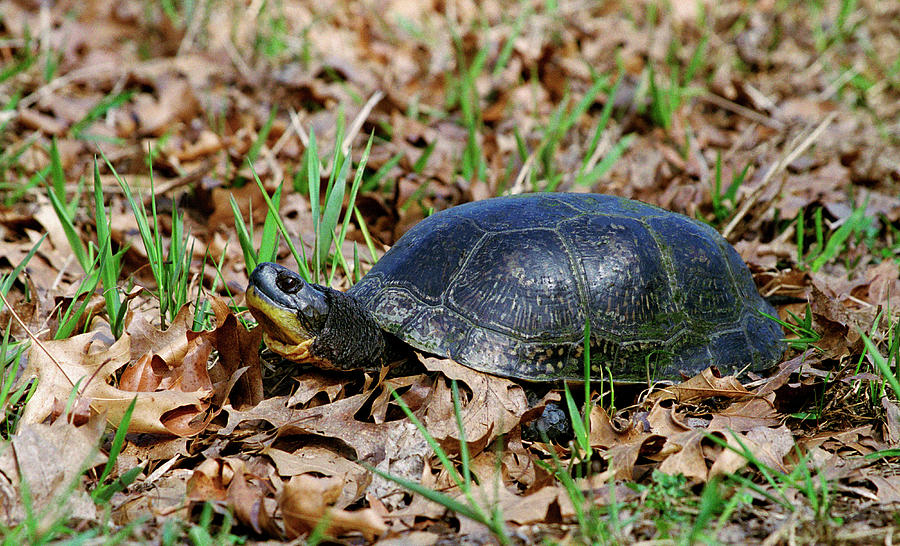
(144, 145)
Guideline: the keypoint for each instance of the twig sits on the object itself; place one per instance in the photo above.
(786, 160)
(35, 340)
(86, 73)
(298, 127)
(602, 148)
(159, 189)
(741, 110)
(836, 85)
(283, 139)
(239, 62)
(519, 184)
(359, 120)
(193, 28)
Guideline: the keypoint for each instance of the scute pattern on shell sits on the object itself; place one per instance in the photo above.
(505, 286)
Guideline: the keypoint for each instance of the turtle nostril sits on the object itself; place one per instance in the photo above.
(288, 284)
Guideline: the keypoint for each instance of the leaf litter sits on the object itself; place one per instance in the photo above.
(214, 423)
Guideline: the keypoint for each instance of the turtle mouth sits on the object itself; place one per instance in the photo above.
(298, 352)
(279, 323)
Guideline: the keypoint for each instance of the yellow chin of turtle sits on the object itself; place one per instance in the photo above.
(297, 352)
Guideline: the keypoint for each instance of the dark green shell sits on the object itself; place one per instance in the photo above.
(504, 286)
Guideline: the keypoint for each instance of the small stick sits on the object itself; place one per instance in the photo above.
(786, 160)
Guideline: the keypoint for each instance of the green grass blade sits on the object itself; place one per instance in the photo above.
(268, 248)
(373, 182)
(348, 213)
(605, 116)
(99, 110)
(11, 277)
(103, 493)
(370, 243)
(110, 268)
(313, 177)
(327, 225)
(140, 215)
(581, 435)
(607, 162)
(420, 163)
(463, 445)
(253, 152)
(435, 496)
(882, 364)
(64, 212)
(72, 315)
(438, 450)
(840, 236)
(245, 237)
(273, 210)
(57, 176)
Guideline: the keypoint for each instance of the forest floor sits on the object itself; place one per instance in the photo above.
(137, 138)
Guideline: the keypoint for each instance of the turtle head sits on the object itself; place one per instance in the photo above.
(290, 310)
(309, 323)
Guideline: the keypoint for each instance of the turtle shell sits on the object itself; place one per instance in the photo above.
(506, 285)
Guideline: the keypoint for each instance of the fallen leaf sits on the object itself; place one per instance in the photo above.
(496, 406)
(892, 421)
(768, 445)
(405, 456)
(705, 385)
(605, 434)
(49, 458)
(888, 488)
(207, 482)
(170, 345)
(238, 348)
(273, 410)
(246, 494)
(80, 361)
(305, 500)
(338, 420)
(175, 101)
(325, 462)
(663, 419)
(686, 455)
(622, 458)
(748, 414)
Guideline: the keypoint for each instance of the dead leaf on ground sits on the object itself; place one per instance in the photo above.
(310, 459)
(605, 434)
(685, 454)
(241, 486)
(49, 458)
(81, 361)
(307, 500)
(888, 488)
(704, 385)
(768, 445)
(496, 406)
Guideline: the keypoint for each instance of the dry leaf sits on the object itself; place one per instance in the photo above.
(80, 361)
(238, 348)
(768, 445)
(604, 434)
(747, 414)
(328, 463)
(496, 406)
(892, 421)
(888, 488)
(305, 500)
(48, 457)
(704, 385)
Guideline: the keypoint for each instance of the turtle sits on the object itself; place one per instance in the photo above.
(509, 286)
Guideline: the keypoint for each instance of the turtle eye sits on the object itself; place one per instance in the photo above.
(288, 284)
